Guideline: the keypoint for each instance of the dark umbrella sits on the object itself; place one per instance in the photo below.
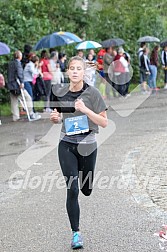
(4, 49)
(57, 39)
(148, 39)
(112, 42)
(163, 43)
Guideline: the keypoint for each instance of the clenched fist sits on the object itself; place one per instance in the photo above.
(55, 116)
(80, 106)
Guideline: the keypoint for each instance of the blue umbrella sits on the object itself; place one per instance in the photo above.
(87, 45)
(4, 49)
(57, 39)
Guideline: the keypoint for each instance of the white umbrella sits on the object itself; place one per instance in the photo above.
(87, 45)
(148, 39)
(4, 49)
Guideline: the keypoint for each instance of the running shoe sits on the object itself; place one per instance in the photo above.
(35, 116)
(77, 241)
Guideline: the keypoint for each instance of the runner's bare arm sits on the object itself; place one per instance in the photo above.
(99, 119)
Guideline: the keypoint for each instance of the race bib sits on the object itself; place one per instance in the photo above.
(76, 125)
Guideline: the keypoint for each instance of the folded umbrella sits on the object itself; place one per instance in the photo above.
(4, 49)
(112, 42)
(87, 45)
(148, 39)
(57, 39)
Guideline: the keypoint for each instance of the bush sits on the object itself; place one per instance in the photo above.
(4, 96)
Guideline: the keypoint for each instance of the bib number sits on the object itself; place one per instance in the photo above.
(76, 125)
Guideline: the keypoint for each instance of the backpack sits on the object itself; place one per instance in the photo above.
(2, 81)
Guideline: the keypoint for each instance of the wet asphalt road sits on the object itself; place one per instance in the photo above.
(117, 216)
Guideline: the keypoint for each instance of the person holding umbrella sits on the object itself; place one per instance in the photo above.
(145, 69)
(107, 60)
(140, 53)
(143, 41)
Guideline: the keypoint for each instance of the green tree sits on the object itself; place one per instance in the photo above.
(26, 21)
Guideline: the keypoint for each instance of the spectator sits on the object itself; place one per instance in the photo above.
(90, 72)
(144, 70)
(47, 77)
(31, 70)
(153, 68)
(63, 62)
(63, 66)
(107, 60)
(81, 54)
(15, 84)
(57, 74)
(100, 56)
(2, 85)
(164, 65)
(91, 51)
(142, 47)
(139, 53)
(2, 81)
(26, 53)
(53, 50)
(120, 72)
(128, 59)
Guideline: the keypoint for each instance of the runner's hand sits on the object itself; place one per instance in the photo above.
(22, 86)
(80, 106)
(55, 116)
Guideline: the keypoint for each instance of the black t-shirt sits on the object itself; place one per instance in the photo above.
(65, 100)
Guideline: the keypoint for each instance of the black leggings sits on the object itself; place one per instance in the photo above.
(74, 166)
